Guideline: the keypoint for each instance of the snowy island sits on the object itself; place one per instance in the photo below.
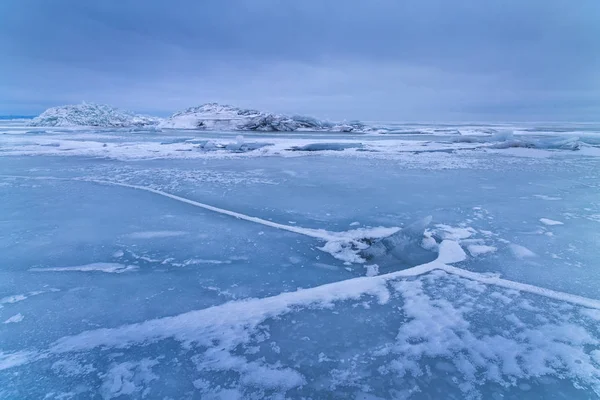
(214, 116)
(90, 114)
(207, 117)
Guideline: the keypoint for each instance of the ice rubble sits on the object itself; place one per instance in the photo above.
(90, 114)
(506, 139)
(404, 246)
(214, 116)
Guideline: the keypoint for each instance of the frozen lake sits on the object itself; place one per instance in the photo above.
(192, 265)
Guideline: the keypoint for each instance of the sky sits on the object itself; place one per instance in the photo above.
(374, 60)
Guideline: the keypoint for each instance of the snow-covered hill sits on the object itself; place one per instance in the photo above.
(213, 116)
(89, 114)
(208, 117)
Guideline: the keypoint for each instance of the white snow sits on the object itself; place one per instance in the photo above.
(214, 116)
(440, 325)
(220, 321)
(479, 249)
(89, 114)
(546, 197)
(196, 261)
(591, 313)
(14, 319)
(123, 145)
(550, 222)
(13, 298)
(429, 243)
(372, 270)
(436, 323)
(455, 233)
(20, 297)
(101, 267)
(128, 378)
(521, 251)
(450, 252)
(10, 360)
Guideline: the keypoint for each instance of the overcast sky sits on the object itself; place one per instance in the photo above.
(421, 60)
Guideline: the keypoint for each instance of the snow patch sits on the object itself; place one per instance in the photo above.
(546, 197)
(11, 360)
(454, 233)
(450, 252)
(12, 299)
(197, 261)
(20, 297)
(101, 267)
(372, 270)
(550, 222)
(14, 319)
(128, 378)
(521, 251)
(479, 249)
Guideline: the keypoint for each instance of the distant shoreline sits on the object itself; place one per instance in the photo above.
(6, 117)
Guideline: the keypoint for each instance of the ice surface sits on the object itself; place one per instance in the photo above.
(154, 234)
(479, 249)
(156, 264)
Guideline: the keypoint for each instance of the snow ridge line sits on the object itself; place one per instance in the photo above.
(187, 326)
(328, 236)
(314, 233)
(521, 287)
(491, 280)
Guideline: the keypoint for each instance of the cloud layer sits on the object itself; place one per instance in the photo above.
(410, 60)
